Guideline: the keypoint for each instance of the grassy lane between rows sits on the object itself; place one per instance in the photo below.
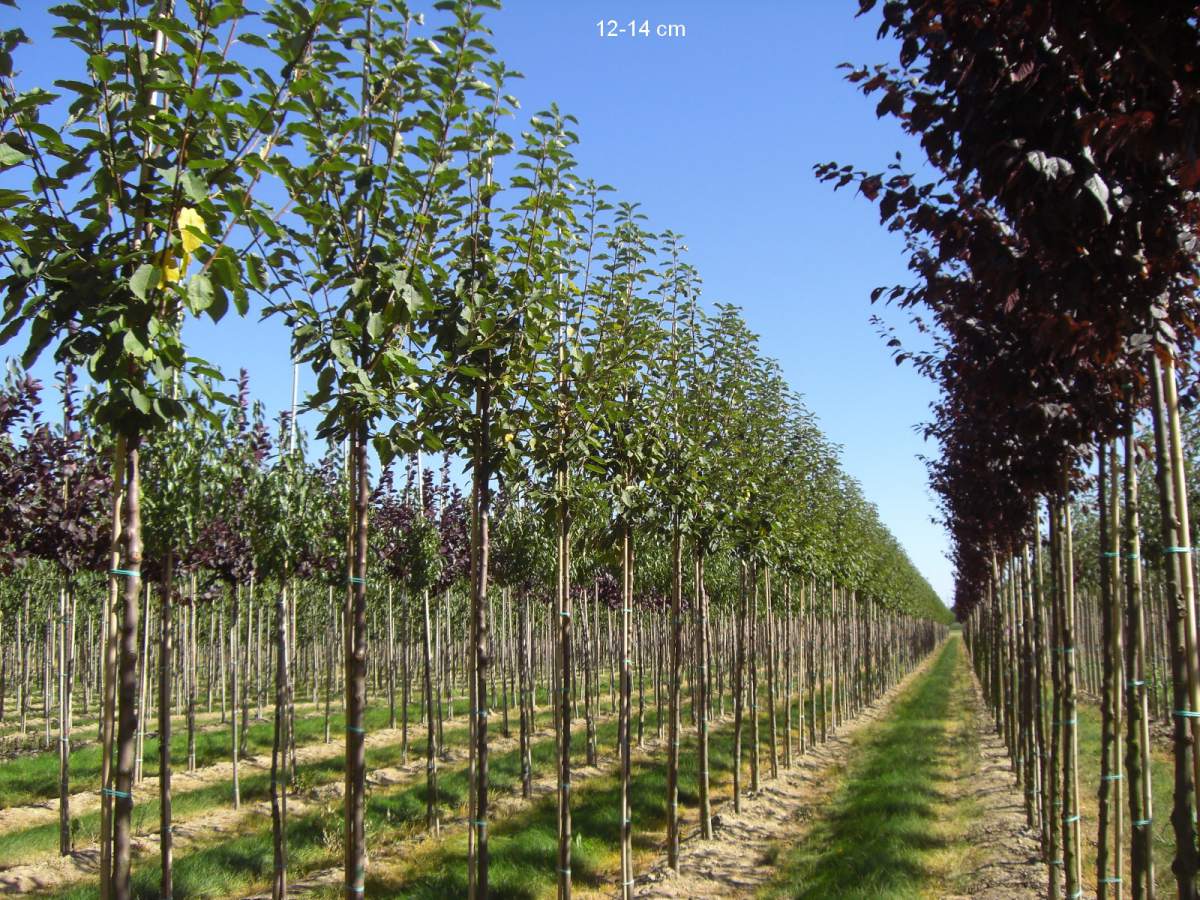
(21, 845)
(34, 778)
(898, 822)
(241, 862)
(523, 848)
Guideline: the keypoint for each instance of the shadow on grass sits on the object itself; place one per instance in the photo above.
(872, 841)
(21, 844)
(523, 848)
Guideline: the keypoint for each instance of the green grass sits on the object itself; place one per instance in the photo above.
(1162, 785)
(893, 828)
(523, 845)
(20, 845)
(240, 862)
(34, 777)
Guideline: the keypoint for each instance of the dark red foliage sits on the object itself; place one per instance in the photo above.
(1055, 248)
(53, 489)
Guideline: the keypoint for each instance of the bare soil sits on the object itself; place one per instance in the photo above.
(1011, 865)
(739, 862)
(739, 859)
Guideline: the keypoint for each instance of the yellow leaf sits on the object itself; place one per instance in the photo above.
(192, 230)
(170, 269)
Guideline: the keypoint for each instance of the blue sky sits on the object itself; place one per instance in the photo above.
(716, 133)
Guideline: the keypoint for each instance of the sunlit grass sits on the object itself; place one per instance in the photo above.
(895, 827)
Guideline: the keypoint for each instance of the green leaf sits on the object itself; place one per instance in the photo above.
(256, 271)
(144, 279)
(200, 293)
(384, 448)
(11, 156)
(375, 326)
(102, 66)
(194, 186)
(219, 305)
(133, 344)
(141, 401)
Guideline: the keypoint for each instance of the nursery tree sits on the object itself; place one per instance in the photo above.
(148, 177)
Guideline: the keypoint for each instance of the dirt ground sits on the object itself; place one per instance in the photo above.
(1011, 867)
(739, 861)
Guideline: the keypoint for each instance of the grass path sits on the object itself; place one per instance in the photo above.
(740, 860)
(912, 799)
(914, 813)
(239, 861)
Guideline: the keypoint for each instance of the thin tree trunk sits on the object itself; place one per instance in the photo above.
(279, 757)
(390, 657)
(1137, 747)
(1174, 538)
(676, 654)
(191, 697)
(234, 671)
(431, 788)
(330, 643)
(127, 712)
(564, 701)
(702, 699)
(356, 669)
(625, 716)
(165, 654)
(738, 692)
(143, 685)
(771, 668)
(66, 612)
(524, 652)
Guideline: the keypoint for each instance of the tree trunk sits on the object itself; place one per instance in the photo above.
(191, 682)
(431, 788)
(702, 700)
(481, 650)
(390, 658)
(625, 716)
(127, 712)
(1070, 730)
(331, 643)
(524, 651)
(738, 692)
(234, 671)
(1175, 538)
(356, 668)
(752, 677)
(279, 757)
(143, 686)
(771, 667)
(676, 654)
(1137, 745)
(165, 653)
(66, 669)
(1109, 797)
(564, 701)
